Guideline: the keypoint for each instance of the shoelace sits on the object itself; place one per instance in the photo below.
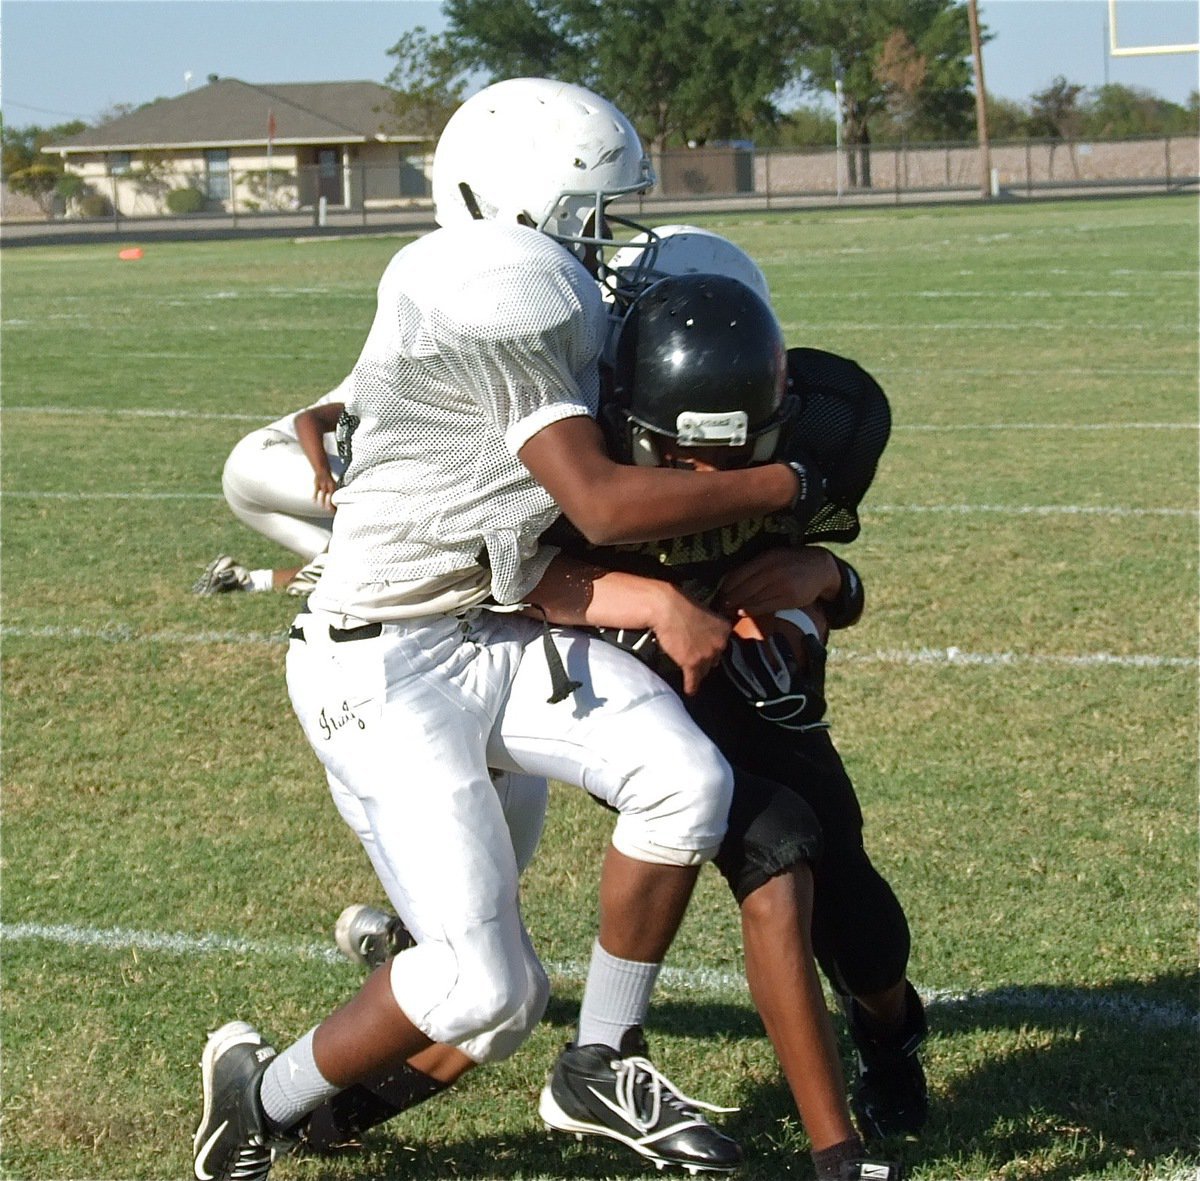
(253, 1163)
(633, 1071)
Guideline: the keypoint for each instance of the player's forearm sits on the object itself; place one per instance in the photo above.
(613, 504)
(579, 594)
(312, 443)
(633, 504)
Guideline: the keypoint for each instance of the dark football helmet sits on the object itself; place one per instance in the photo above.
(698, 359)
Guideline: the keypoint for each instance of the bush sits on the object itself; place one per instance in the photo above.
(38, 182)
(95, 205)
(71, 187)
(186, 200)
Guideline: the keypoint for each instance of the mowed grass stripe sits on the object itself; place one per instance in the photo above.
(1017, 707)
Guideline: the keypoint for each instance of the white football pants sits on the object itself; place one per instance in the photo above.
(406, 725)
(268, 483)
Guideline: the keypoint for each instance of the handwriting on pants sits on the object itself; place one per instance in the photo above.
(343, 715)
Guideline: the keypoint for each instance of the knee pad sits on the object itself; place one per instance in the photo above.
(472, 993)
(674, 810)
(505, 1039)
(771, 829)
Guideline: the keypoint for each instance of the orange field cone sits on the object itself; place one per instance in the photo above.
(130, 253)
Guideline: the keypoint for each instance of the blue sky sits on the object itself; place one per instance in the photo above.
(62, 59)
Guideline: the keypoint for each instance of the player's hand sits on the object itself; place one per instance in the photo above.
(692, 636)
(324, 486)
(778, 579)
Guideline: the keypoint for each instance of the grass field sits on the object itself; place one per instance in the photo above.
(1018, 707)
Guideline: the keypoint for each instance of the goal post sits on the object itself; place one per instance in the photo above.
(1115, 49)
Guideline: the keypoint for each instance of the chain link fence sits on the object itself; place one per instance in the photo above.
(707, 178)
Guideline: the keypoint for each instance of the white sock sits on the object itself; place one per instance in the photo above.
(292, 1085)
(261, 580)
(616, 996)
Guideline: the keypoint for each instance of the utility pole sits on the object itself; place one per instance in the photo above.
(985, 155)
(838, 74)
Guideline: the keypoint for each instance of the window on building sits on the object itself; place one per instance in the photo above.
(413, 181)
(119, 163)
(216, 174)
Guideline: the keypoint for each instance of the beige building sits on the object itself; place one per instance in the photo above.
(245, 147)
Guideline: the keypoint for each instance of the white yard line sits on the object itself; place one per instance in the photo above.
(124, 634)
(1078, 1001)
(957, 656)
(111, 495)
(1032, 510)
(169, 412)
(1015, 510)
(136, 412)
(1045, 426)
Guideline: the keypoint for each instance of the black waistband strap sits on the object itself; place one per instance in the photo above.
(345, 635)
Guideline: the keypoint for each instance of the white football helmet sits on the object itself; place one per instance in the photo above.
(541, 153)
(683, 250)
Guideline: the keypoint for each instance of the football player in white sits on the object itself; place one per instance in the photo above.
(470, 427)
(279, 480)
(696, 370)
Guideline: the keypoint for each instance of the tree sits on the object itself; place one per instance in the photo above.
(522, 38)
(1115, 111)
(852, 38)
(429, 82)
(683, 70)
(901, 71)
(805, 126)
(38, 181)
(1006, 119)
(22, 146)
(26, 169)
(1055, 114)
(1055, 111)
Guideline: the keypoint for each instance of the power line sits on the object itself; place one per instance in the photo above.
(43, 110)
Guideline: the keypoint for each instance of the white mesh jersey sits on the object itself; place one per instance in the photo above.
(483, 335)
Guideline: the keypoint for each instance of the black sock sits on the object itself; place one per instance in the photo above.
(829, 1160)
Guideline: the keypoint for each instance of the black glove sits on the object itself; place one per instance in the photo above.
(782, 687)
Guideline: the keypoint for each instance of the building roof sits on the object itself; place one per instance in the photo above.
(230, 113)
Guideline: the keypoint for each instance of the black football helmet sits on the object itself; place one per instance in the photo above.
(698, 359)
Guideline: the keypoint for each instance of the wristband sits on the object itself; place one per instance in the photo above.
(804, 473)
(846, 607)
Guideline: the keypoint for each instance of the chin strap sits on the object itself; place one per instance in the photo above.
(469, 200)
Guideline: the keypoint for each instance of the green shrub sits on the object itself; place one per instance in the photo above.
(187, 200)
(38, 182)
(95, 205)
(71, 187)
